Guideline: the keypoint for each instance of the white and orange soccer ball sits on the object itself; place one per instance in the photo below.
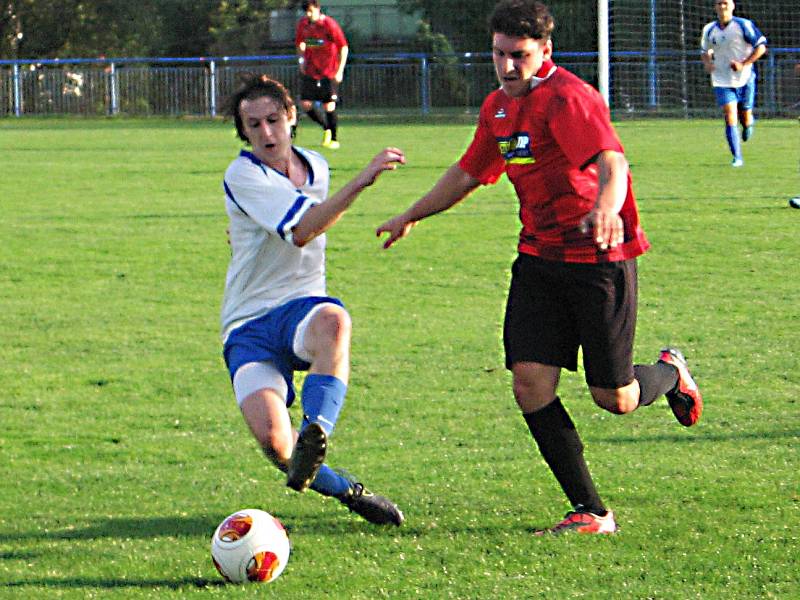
(250, 545)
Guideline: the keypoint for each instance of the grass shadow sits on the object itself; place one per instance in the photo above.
(698, 436)
(318, 522)
(79, 583)
(128, 527)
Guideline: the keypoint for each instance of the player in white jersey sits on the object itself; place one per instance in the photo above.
(276, 316)
(730, 45)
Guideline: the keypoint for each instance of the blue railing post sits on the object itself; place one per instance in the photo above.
(17, 93)
(772, 88)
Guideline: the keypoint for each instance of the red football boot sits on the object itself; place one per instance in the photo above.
(685, 400)
(582, 521)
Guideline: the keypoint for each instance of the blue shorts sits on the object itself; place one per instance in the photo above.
(270, 338)
(744, 96)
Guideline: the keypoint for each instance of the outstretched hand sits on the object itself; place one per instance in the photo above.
(397, 227)
(386, 160)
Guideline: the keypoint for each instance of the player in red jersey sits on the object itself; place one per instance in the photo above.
(323, 51)
(574, 282)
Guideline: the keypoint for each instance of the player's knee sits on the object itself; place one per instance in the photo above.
(333, 325)
(619, 401)
(530, 395)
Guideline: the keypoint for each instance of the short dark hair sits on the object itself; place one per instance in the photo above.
(309, 3)
(251, 87)
(523, 19)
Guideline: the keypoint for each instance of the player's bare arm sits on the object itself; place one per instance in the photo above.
(708, 61)
(452, 187)
(757, 53)
(343, 54)
(301, 50)
(321, 217)
(604, 219)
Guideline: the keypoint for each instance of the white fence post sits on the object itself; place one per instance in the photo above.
(17, 93)
(603, 58)
(213, 88)
(112, 74)
(425, 86)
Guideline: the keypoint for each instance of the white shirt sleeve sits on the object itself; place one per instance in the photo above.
(267, 197)
(704, 43)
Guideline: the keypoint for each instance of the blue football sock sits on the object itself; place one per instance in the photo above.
(322, 400)
(732, 135)
(329, 483)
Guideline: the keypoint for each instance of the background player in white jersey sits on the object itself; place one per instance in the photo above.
(730, 47)
(276, 316)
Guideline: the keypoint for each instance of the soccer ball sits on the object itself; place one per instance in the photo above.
(795, 202)
(250, 545)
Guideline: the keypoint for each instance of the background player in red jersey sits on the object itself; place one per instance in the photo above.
(323, 53)
(574, 282)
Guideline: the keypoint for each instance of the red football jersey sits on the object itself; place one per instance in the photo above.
(544, 142)
(324, 39)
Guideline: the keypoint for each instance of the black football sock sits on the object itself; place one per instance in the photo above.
(654, 381)
(562, 449)
(315, 116)
(333, 123)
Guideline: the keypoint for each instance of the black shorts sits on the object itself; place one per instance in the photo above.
(554, 308)
(318, 90)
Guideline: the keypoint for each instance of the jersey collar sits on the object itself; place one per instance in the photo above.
(256, 161)
(252, 158)
(547, 69)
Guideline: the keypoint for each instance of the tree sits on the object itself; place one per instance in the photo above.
(187, 27)
(242, 26)
(10, 29)
(66, 28)
(35, 27)
(464, 24)
(114, 28)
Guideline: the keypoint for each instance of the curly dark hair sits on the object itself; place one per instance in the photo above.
(255, 86)
(523, 19)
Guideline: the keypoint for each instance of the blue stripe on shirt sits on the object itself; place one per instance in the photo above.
(229, 194)
(290, 214)
(253, 159)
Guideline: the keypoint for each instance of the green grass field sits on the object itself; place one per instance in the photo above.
(122, 447)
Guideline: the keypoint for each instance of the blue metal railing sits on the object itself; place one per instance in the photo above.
(640, 78)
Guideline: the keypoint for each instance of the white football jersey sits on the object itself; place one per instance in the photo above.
(266, 268)
(735, 42)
